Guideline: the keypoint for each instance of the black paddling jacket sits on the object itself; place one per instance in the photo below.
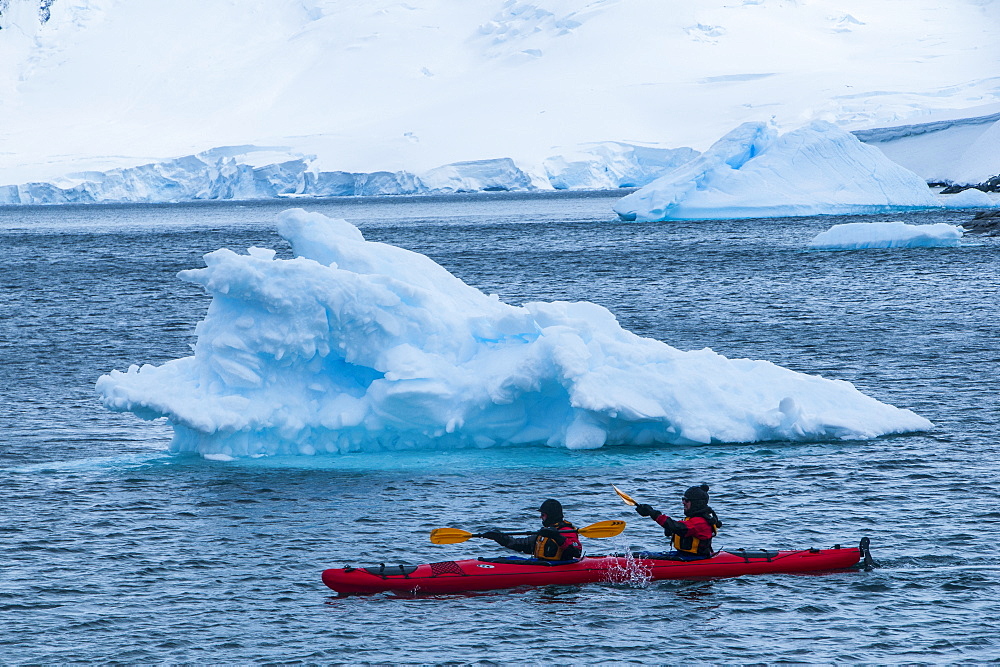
(556, 542)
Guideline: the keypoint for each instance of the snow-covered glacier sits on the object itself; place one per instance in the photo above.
(357, 346)
(388, 86)
(752, 172)
(959, 151)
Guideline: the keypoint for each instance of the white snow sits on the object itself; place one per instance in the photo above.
(963, 151)
(403, 88)
(354, 346)
(860, 235)
(753, 172)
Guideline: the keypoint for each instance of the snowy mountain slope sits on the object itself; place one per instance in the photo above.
(964, 151)
(381, 85)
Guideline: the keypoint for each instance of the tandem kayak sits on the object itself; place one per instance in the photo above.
(483, 574)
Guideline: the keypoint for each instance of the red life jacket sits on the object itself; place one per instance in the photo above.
(698, 539)
(547, 548)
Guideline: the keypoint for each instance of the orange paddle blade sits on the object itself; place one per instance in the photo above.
(624, 496)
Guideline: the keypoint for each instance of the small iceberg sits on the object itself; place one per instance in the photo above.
(754, 173)
(861, 235)
(969, 198)
(360, 346)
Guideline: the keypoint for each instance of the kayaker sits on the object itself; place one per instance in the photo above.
(557, 540)
(692, 536)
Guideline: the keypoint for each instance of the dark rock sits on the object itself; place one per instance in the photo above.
(990, 185)
(986, 223)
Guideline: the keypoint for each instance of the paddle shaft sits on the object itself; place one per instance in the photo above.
(597, 530)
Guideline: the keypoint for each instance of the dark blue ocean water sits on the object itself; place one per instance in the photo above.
(112, 550)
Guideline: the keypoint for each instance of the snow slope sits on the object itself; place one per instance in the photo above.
(387, 86)
(963, 151)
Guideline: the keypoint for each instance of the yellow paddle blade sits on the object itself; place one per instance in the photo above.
(603, 528)
(449, 535)
(624, 496)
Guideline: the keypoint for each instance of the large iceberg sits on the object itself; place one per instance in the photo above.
(354, 345)
(898, 234)
(752, 172)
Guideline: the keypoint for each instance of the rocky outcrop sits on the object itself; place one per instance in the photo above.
(986, 223)
(990, 185)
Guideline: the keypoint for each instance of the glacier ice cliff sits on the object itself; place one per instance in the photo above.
(611, 164)
(359, 346)
(244, 173)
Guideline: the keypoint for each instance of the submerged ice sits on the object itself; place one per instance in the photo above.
(355, 345)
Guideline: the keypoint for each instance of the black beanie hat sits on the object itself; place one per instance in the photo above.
(553, 511)
(698, 495)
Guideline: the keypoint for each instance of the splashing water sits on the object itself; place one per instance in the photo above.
(629, 571)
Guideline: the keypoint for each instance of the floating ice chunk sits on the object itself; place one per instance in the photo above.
(753, 173)
(969, 198)
(354, 346)
(858, 235)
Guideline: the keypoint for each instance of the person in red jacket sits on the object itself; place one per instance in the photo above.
(692, 536)
(557, 539)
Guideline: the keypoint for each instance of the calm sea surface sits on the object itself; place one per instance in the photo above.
(112, 550)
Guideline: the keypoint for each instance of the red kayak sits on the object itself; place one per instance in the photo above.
(482, 574)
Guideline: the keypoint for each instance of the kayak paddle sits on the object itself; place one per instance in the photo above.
(624, 496)
(456, 535)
